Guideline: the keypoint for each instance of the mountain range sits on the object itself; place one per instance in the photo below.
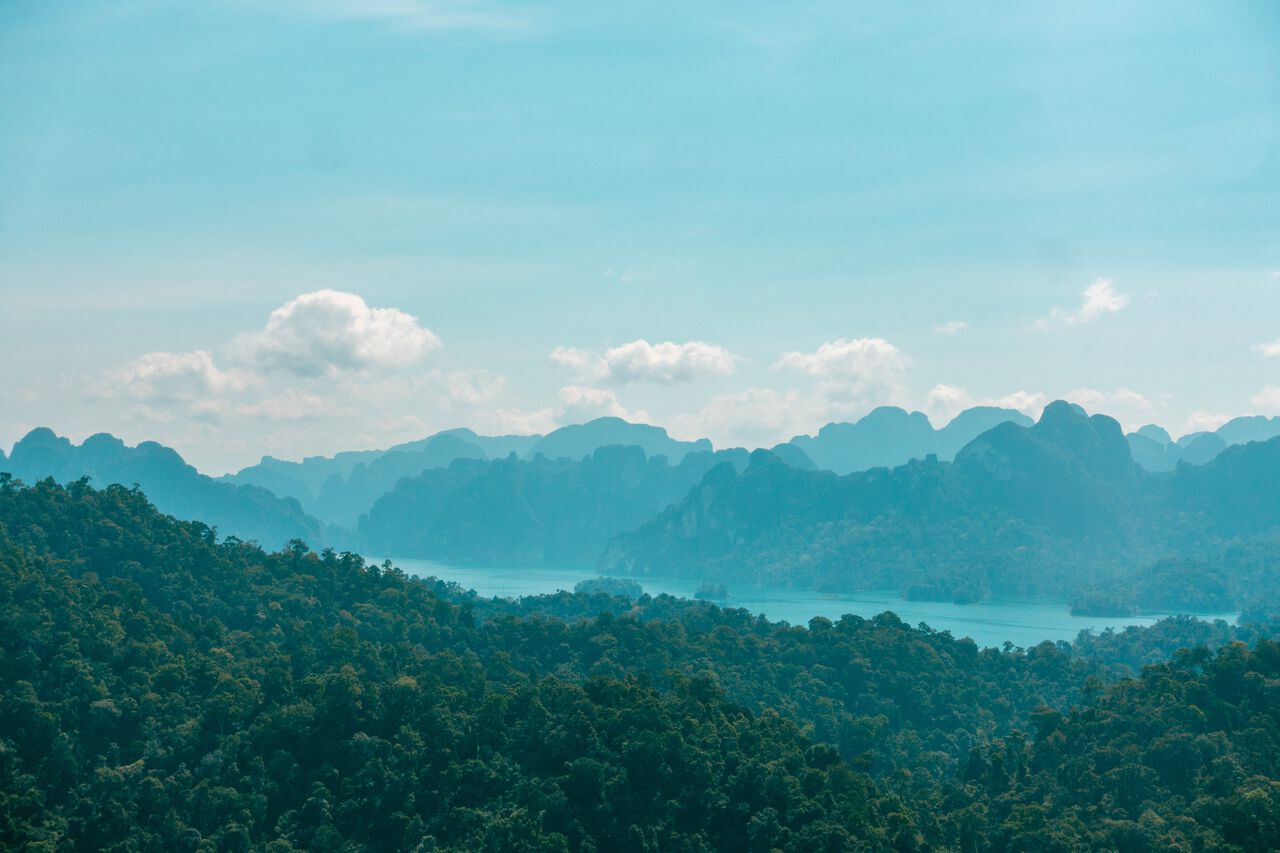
(890, 436)
(249, 512)
(540, 511)
(990, 503)
(1048, 510)
(341, 488)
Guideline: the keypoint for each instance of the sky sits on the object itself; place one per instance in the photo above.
(248, 227)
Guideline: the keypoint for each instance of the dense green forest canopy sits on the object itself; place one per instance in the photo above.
(163, 690)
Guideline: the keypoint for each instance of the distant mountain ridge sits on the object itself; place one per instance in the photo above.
(1040, 510)
(176, 488)
(306, 481)
(1154, 450)
(530, 512)
(891, 436)
(342, 488)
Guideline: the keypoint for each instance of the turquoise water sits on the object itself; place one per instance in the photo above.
(990, 623)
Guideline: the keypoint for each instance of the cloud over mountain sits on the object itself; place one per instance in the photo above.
(665, 363)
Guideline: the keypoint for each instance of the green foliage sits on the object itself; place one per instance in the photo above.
(160, 690)
(623, 587)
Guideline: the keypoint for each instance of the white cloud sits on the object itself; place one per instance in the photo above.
(1127, 406)
(164, 377)
(583, 363)
(290, 405)
(1098, 300)
(1205, 422)
(951, 327)
(1108, 401)
(329, 332)
(326, 373)
(852, 374)
(578, 405)
(1030, 403)
(756, 417)
(1270, 350)
(869, 360)
(944, 402)
(1267, 401)
(665, 363)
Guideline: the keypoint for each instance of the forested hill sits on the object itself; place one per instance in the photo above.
(161, 690)
(1045, 510)
(249, 512)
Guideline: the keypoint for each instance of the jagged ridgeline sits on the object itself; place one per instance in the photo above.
(1056, 509)
(160, 690)
(1049, 510)
(247, 511)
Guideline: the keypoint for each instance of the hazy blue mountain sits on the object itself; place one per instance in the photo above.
(301, 480)
(1156, 433)
(1250, 428)
(970, 424)
(1193, 449)
(339, 488)
(1037, 510)
(1202, 448)
(793, 456)
(494, 446)
(1152, 454)
(552, 511)
(581, 440)
(342, 502)
(890, 436)
(176, 488)
(1190, 438)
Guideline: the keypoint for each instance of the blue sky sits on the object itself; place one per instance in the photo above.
(819, 207)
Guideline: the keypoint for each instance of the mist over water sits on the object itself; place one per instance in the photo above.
(989, 623)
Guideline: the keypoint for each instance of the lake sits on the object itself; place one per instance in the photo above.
(990, 623)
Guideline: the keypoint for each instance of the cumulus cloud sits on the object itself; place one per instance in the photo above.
(665, 363)
(754, 417)
(870, 360)
(329, 332)
(291, 405)
(852, 374)
(944, 402)
(1098, 300)
(164, 377)
(1270, 350)
(951, 327)
(1207, 421)
(582, 363)
(1267, 400)
(1104, 401)
(578, 404)
(295, 384)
